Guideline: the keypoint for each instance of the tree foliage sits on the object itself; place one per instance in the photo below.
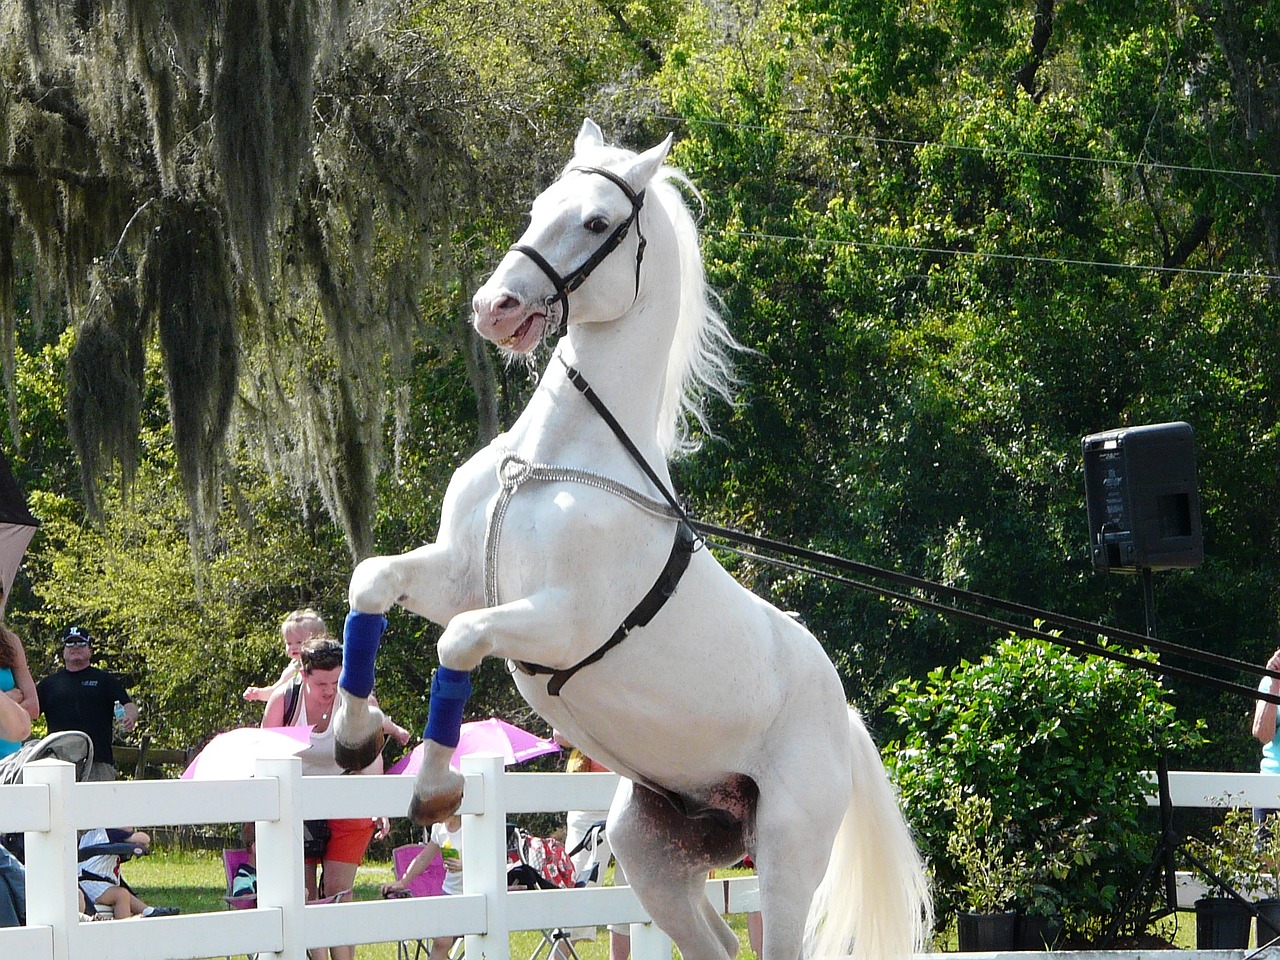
(957, 236)
(227, 181)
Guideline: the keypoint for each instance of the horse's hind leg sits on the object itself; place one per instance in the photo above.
(666, 856)
(796, 823)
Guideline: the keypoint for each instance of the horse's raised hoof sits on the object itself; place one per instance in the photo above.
(438, 807)
(357, 732)
(437, 793)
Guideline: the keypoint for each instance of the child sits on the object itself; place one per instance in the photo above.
(297, 628)
(100, 874)
(446, 840)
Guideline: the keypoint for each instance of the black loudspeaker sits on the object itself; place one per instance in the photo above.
(1140, 488)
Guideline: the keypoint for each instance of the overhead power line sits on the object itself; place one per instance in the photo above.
(966, 148)
(1029, 258)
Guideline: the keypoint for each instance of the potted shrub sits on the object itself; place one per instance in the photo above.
(1229, 865)
(1059, 847)
(1268, 880)
(1051, 739)
(990, 875)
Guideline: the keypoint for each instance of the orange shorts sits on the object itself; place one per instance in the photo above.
(349, 839)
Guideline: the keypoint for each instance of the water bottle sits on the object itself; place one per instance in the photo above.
(119, 711)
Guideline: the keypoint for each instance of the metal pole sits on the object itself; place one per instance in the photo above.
(1149, 601)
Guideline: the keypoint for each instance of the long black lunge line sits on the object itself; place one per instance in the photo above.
(1047, 617)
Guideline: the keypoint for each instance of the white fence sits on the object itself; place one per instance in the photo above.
(50, 807)
(1216, 790)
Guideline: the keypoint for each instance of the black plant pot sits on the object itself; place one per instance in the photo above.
(1037, 933)
(1222, 923)
(986, 932)
(1268, 920)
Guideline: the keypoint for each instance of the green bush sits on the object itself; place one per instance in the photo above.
(1058, 743)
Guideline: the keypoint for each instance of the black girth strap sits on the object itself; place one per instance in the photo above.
(687, 541)
(644, 611)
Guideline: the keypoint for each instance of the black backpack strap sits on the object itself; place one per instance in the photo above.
(292, 700)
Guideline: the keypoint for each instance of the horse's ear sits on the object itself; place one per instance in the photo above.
(644, 167)
(589, 136)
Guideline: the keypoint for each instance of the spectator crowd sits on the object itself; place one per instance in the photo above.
(84, 705)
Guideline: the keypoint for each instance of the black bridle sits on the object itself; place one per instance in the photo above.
(575, 278)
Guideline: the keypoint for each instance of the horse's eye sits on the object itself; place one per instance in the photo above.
(597, 224)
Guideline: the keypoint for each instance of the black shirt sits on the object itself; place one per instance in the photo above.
(84, 701)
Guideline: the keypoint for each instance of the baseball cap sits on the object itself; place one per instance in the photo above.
(75, 636)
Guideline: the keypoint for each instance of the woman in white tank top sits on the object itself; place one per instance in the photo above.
(348, 838)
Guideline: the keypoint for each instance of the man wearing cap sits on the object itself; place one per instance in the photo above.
(82, 697)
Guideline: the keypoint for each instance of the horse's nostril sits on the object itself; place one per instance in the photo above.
(507, 302)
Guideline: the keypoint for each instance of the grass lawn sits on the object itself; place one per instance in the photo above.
(194, 881)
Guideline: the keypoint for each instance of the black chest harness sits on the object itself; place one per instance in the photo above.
(512, 471)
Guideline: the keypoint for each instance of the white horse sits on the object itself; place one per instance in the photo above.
(723, 715)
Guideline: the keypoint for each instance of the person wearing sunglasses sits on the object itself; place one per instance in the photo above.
(83, 697)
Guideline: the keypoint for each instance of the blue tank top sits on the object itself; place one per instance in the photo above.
(7, 682)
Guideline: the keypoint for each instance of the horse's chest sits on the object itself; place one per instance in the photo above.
(564, 536)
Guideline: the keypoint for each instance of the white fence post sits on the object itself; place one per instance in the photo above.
(649, 943)
(279, 855)
(51, 858)
(484, 848)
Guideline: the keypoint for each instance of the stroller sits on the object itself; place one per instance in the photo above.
(542, 863)
(536, 863)
(70, 745)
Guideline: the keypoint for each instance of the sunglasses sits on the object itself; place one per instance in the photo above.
(76, 643)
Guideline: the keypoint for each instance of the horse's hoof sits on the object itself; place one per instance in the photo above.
(357, 732)
(438, 805)
(358, 756)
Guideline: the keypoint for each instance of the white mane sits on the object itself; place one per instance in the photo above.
(700, 362)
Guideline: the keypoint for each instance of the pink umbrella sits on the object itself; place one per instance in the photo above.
(231, 755)
(486, 736)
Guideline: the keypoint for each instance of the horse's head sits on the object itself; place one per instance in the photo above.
(584, 245)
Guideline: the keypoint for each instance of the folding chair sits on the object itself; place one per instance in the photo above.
(525, 875)
(232, 861)
(429, 883)
(593, 841)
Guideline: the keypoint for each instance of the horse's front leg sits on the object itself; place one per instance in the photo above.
(534, 628)
(426, 581)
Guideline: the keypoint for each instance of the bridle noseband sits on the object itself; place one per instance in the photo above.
(575, 278)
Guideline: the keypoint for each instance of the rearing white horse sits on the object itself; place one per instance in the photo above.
(561, 551)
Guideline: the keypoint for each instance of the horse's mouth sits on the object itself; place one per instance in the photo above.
(523, 338)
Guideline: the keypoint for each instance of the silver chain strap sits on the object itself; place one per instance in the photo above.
(514, 470)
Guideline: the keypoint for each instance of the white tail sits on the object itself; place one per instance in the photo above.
(873, 903)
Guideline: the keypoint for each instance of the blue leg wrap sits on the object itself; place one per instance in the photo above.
(449, 692)
(360, 636)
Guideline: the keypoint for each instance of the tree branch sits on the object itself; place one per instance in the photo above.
(1040, 35)
(642, 43)
(35, 172)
